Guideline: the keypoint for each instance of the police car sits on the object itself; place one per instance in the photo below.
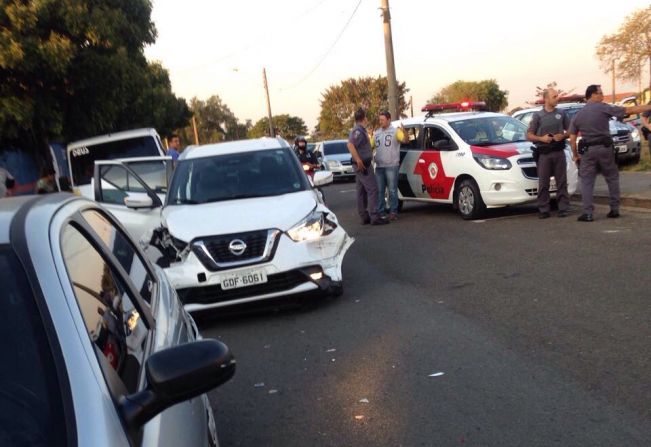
(470, 158)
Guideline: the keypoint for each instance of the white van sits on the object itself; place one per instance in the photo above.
(120, 145)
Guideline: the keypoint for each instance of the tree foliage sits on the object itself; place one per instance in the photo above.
(76, 68)
(339, 103)
(286, 126)
(215, 122)
(629, 49)
(486, 90)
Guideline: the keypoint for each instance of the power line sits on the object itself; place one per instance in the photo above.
(323, 58)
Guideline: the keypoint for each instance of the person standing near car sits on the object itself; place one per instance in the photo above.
(359, 146)
(595, 150)
(7, 182)
(645, 126)
(548, 130)
(386, 142)
(174, 148)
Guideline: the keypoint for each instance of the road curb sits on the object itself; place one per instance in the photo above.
(627, 201)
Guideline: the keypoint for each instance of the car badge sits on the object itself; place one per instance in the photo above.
(433, 170)
(237, 247)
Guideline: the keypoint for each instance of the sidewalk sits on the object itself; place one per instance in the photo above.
(635, 189)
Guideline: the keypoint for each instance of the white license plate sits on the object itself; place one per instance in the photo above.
(621, 148)
(243, 279)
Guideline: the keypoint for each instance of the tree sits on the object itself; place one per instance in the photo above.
(339, 103)
(629, 49)
(288, 127)
(487, 91)
(76, 68)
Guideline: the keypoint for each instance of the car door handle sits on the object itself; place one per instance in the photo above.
(421, 161)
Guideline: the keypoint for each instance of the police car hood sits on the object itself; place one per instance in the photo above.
(186, 222)
(505, 150)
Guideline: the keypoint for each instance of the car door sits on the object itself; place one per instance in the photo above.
(408, 183)
(133, 190)
(438, 155)
(130, 312)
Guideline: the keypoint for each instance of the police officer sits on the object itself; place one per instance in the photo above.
(548, 129)
(359, 146)
(596, 148)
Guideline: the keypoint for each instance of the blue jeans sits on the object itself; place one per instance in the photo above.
(387, 178)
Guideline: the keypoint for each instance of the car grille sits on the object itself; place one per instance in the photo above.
(533, 192)
(621, 138)
(215, 254)
(530, 172)
(279, 282)
(346, 163)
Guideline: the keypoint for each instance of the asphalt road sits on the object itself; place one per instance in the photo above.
(509, 331)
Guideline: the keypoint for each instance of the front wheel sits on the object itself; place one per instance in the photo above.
(469, 201)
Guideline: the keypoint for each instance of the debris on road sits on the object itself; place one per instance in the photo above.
(359, 417)
(331, 350)
(273, 391)
(259, 385)
(436, 374)
(363, 401)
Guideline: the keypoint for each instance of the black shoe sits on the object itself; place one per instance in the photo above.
(585, 218)
(544, 215)
(562, 213)
(613, 214)
(366, 221)
(380, 221)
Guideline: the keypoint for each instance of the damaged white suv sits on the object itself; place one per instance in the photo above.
(242, 222)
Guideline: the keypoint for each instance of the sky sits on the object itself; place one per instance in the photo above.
(220, 47)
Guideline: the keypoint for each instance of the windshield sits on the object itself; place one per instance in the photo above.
(490, 130)
(335, 148)
(82, 159)
(236, 176)
(31, 407)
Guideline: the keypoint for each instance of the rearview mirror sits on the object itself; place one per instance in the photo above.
(175, 375)
(444, 145)
(136, 203)
(322, 178)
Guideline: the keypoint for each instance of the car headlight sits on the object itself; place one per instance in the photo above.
(313, 226)
(635, 135)
(488, 162)
(333, 164)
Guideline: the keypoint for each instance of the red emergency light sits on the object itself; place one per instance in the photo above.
(464, 106)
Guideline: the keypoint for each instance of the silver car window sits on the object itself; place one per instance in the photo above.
(113, 323)
(124, 251)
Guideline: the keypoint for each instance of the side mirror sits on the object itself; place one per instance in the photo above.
(444, 145)
(137, 203)
(322, 178)
(175, 375)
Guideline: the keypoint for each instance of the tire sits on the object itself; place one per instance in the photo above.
(468, 200)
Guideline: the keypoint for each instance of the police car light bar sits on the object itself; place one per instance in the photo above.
(464, 106)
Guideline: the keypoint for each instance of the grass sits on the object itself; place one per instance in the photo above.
(645, 160)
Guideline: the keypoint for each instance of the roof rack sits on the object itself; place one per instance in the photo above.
(464, 106)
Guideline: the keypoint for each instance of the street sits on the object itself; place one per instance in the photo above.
(509, 331)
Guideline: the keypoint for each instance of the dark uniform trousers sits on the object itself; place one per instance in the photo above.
(367, 192)
(552, 163)
(598, 159)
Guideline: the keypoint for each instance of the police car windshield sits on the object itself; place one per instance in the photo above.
(491, 130)
(241, 175)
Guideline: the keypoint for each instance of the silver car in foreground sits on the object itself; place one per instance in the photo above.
(97, 350)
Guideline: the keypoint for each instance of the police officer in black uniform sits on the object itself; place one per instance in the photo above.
(595, 150)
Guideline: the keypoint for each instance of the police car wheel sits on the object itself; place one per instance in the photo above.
(469, 201)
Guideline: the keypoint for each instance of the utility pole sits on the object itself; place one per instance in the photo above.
(272, 134)
(196, 133)
(391, 66)
(411, 105)
(613, 71)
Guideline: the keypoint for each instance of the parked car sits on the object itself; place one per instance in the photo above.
(625, 136)
(470, 159)
(241, 222)
(334, 157)
(97, 350)
(119, 145)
